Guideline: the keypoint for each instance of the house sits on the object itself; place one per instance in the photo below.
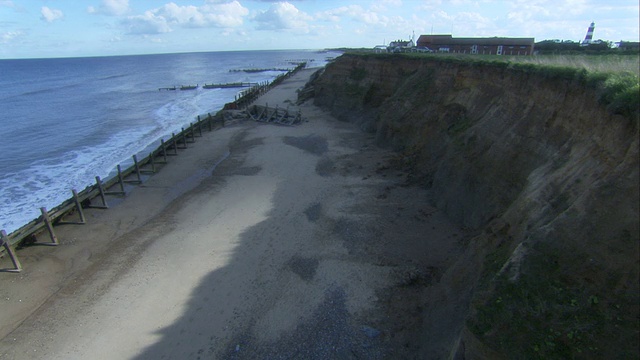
(487, 46)
(380, 49)
(400, 46)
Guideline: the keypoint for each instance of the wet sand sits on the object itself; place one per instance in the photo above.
(258, 241)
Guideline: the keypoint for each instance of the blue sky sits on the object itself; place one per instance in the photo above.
(67, 28)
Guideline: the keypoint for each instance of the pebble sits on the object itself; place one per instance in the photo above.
(370, 332)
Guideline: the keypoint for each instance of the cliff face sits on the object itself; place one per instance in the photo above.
(545, 174)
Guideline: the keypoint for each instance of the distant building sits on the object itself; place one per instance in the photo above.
(400, 46)
(487, 46)
(380, 49)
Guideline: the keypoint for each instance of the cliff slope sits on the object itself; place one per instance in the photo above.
(546, 176)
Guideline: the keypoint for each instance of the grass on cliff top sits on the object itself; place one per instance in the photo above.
(616, 78)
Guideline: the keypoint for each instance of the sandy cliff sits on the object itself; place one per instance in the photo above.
(545, 174)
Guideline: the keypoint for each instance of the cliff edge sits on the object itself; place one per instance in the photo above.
(544, 173)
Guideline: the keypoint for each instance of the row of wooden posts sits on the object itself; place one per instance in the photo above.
(83, 199)
(246, 97)
(101, 189)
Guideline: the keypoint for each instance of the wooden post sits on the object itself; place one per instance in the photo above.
(120, 182)
(184, 138)
(152, 162)
(137, 167)
(209, 120)
(49, 226)
(101, 189)
(120, 179)
(83, 220)
(4, 242)
(175, 143)
(262, 112)
(164, 150)
(193, 134)
(199, 125)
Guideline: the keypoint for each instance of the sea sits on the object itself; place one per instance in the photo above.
(65, 121)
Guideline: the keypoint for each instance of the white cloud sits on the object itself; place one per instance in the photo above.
(50, 15)
(524, 11)
(145, 24)
(355, 13)
(335, 15)
(111, 7)
(384, 5)
(213, 14)
(282, 16)
(221, 14)
(10, 36)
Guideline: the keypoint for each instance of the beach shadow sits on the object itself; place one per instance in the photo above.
(274, 299)
(292, 281)
(321, 328)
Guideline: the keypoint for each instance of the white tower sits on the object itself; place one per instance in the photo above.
(589, 37)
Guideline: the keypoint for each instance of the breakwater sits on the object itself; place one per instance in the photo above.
(96, 196)
(274, 115)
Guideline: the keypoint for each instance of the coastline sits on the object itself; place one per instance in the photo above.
(260, 240)
(160, 153)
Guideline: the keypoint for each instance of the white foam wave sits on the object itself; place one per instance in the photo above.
(48, 181)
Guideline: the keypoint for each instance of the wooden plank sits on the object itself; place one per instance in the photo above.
(4, 243)
(49, 226)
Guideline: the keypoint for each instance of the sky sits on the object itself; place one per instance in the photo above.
(71, 28)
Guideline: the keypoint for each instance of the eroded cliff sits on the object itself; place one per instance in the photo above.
(546, 175)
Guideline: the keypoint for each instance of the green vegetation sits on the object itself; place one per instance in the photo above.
(548, 47)
(599, 64)
(616, 78)
(556, 318)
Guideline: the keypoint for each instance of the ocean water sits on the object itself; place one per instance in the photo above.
(65, 121)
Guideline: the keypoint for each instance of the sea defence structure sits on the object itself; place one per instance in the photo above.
(543, 168)
(96, 196)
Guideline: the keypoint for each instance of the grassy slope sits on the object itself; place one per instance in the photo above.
(616, 77)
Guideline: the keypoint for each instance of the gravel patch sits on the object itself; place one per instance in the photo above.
(325, 167)
(303, 267)
(329, 334)
(245, 171)
(314, 144)
(313, 212)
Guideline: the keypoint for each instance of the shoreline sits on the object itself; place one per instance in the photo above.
(281, 248)
(69, 234)
(75, 204)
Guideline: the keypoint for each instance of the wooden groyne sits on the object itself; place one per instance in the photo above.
(260, 70)
(229, 85)
(210, 86)
(246, 97)
(182, 87)
(274, 115)
(299, 61)
(96, 196)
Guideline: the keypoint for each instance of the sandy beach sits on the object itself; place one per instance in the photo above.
(258, 241)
